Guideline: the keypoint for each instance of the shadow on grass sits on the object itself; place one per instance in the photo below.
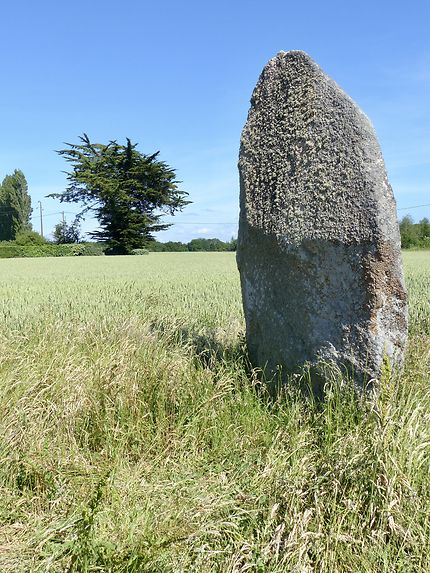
(312, 383)
(207, 350)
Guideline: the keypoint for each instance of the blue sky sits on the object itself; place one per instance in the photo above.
(177, 77)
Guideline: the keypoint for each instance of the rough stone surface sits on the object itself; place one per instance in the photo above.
(319, 245)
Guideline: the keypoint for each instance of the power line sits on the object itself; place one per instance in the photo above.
(35, 216)
(413, 207)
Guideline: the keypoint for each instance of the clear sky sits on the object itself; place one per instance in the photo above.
(177, 77)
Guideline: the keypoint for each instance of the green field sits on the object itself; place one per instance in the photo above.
(134, 437)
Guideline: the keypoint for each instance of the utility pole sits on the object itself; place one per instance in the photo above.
(41, 218)
(64, 218)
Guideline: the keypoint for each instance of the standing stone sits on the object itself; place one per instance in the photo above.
(319, 244)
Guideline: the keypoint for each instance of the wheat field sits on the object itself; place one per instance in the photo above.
(134, 437)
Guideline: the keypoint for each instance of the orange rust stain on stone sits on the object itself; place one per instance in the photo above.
(384, 284)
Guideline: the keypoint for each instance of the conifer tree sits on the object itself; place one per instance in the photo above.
(128, 192)
(15, 206)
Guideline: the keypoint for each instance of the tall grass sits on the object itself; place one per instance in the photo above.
(133, 436)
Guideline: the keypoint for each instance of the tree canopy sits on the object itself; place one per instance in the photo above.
(15, 206)
(415, 235)
(127, 191)
(64, 234)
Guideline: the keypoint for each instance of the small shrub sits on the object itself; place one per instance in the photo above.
(93, 249)
(78, 250)
(140, 252)
(28, 237)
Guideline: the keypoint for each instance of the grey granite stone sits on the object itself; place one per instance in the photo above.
(319, 245)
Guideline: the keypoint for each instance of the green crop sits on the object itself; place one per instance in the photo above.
(135, 437)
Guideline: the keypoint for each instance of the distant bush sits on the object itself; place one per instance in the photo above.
(12, 250)
(207, 245)
(169, 247)
(140, 252)
(77, 250)
(28, 238)
(415, 235)
(92, 249)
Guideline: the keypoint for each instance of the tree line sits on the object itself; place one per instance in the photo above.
(195, 245)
